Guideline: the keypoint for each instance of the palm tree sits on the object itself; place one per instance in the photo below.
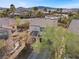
(12, 9)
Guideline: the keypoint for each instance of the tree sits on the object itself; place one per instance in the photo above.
(72, 42)
(45, 9)
(8, 12)
(57, 39)
(23, 26)
(53, 39)
(61, 10)
(70, 14)
(39, 14)
(1, 14)
(30, 13)
(49, 11)
(57, 9)
(5, 13)
(35, 9)
(61, 42)
(12, 9)
(17, 20)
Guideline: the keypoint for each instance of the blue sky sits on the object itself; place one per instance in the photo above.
(49, 3)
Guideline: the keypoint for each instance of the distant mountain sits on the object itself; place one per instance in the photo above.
(21, 9)
(43, 7)
(1, 8)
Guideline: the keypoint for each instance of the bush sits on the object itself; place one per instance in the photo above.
(23, 26)
(60, 41)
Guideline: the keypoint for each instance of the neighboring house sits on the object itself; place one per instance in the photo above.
(15, 14)
(52, 17)
(7, 22)
(7, 26)
(65, 15)
(38, 24)
(66, 10)
(74, 26)
(4, 33)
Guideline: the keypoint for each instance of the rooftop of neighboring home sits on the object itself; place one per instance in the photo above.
(36, 23)
(52, 17)
(7, 22)
(4, 33)
(74, 26)
(43, 22)
(6, 27)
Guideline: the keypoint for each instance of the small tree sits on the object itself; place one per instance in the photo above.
(53, 39)
(39, 14)
(61, 42)
(2, 43)
(17, 20)
(5, 13)
(35, 9)
(23, 26)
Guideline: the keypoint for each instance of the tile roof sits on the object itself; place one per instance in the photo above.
(43, 22)
(36, 23)
(6, 21)
(74, 26)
